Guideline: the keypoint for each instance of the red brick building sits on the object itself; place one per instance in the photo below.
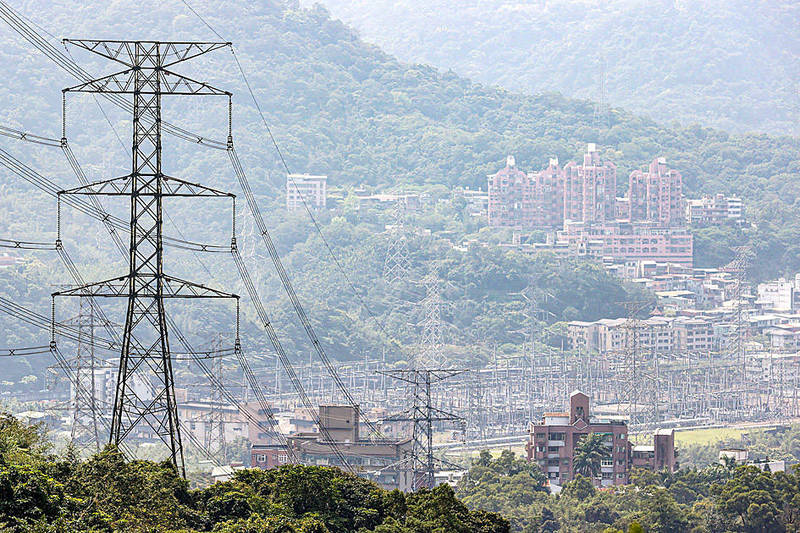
(552, 445)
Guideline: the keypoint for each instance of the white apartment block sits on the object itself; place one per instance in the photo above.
(776, 295)
(655, 335)
(300, 188)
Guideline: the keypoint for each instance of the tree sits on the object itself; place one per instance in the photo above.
(589, 452)
(581, 488)
(548, 522)
(753, 499)
(661, 513)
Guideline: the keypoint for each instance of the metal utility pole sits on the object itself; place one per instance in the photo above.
(423, 415)
(145, 355)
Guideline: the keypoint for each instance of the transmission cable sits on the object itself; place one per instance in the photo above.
(7, 14)
(255, 211)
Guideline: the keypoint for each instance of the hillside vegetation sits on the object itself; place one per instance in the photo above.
(344, 108)
(729, 64)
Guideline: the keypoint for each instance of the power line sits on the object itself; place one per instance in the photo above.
(145, 351)
(255, 211)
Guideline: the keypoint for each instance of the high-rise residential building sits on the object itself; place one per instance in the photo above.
(656, 195)
(548, 196)
(306, 190)
(510, 197)
(590, 189)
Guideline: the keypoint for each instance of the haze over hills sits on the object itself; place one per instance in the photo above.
(728, 64)
(344, 108)
(568, 304)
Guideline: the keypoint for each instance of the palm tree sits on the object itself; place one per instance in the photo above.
(589, 452)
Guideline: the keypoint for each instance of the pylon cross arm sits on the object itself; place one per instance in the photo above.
(167, 53)
(170, 186)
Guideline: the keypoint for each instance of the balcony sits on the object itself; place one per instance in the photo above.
(556, 443)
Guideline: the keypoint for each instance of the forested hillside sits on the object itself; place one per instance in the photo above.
(344, 108)
(729, 64)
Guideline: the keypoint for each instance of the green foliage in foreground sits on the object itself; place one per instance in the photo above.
(715, 499)
(46, 493)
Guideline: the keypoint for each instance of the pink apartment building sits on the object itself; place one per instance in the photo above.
(656, 195)
(590, 189)
(511, 197)
(626, 241)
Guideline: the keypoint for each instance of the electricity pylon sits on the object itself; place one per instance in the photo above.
(737, 349)
(145, 354)
(637, 384)
(84, 432)
(214, 440)
(423, 415)
(396, 263)
(430, 352)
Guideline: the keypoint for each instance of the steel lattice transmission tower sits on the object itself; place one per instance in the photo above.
(423, 415)
(637, 385)
(84, 434)
(214, 426)
(432, 325)
(396, 262)
(145, 355)
(737, 349)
